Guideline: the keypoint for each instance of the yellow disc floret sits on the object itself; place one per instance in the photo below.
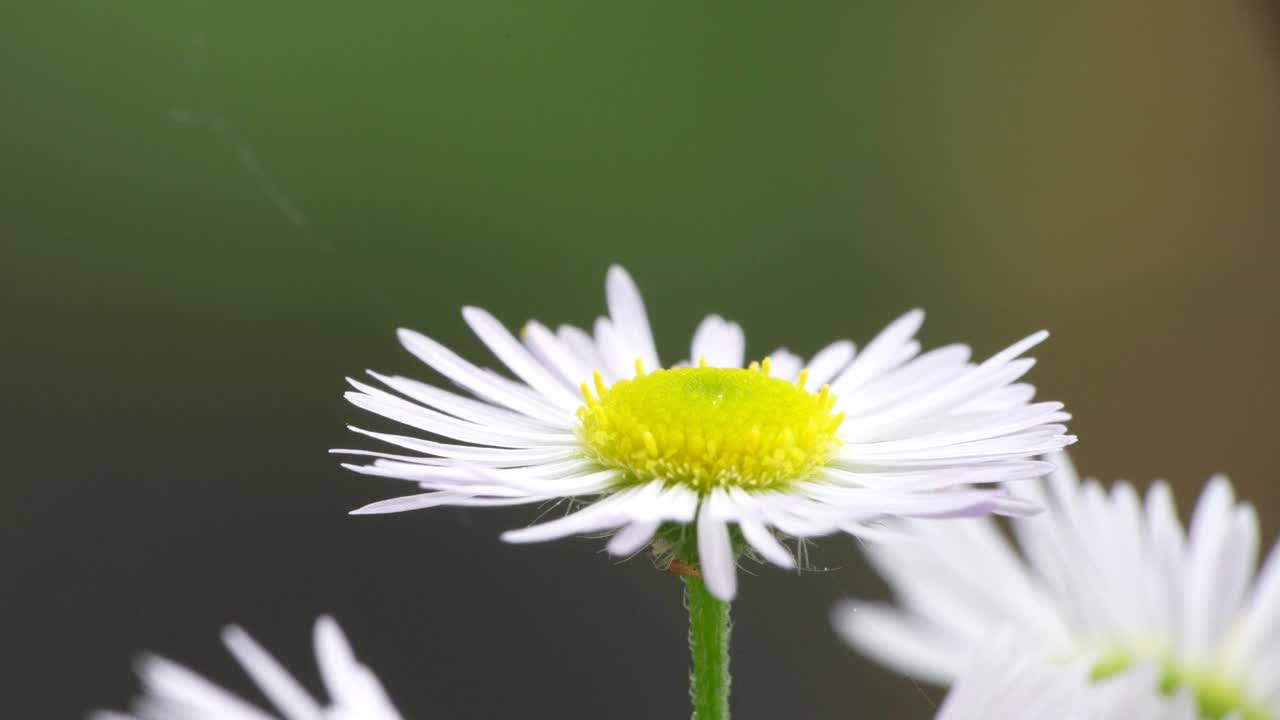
(1217, 695)
(710, 427)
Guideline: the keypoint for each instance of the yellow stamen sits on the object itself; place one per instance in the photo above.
(710, 427)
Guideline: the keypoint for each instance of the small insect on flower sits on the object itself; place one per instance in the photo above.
(712, 454)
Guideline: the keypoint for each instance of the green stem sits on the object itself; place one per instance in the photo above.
(709, 644)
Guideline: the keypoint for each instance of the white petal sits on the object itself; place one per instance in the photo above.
(437, 499)
(587, 480)
(914, 650)
(473, 453)
(629, 317)
(926, 372)
(952, 430)
(1210, 527)
(1001, 398)
(718, 341)
(464, 408)
(171, 683)
(890, 421)
(516, 357)
(618, 358)
(583, 346)
(333, 655)
(785, 364)
(892, 347)
(1260, 624)
(943, 476)
(715, 551)
(403, 411)
(608, 514)
(1032, 442)
(271, 678)
(1167, 541)
(829, 361)
(633, 537)
(483, 384)
(760, 538)
(745, 509)
(555, 353)
(1235, 571)
(352, 686)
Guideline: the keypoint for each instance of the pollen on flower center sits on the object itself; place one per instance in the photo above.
(710, 427)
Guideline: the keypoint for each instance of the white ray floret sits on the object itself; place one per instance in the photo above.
(1102, 574)
(172, 692)
(767, 449)
(1002, 683)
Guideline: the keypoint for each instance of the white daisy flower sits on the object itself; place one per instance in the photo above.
(175, 693)
(1003, 684)
(779, 445)
(1099, 574)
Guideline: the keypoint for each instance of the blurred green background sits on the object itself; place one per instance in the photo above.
(214, 211)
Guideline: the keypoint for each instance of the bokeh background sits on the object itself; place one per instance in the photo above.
(212, 212)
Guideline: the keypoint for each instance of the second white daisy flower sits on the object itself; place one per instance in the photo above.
(1101, 575)
(711, 442)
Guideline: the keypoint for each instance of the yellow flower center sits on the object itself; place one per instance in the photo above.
(1217, 696)
(710, 427)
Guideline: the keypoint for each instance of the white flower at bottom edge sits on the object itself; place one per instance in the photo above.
(172, 692)
(776, 447)
(1099, 574)
(1000, 685)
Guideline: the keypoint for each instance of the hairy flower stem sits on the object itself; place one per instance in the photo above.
(709, 644)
